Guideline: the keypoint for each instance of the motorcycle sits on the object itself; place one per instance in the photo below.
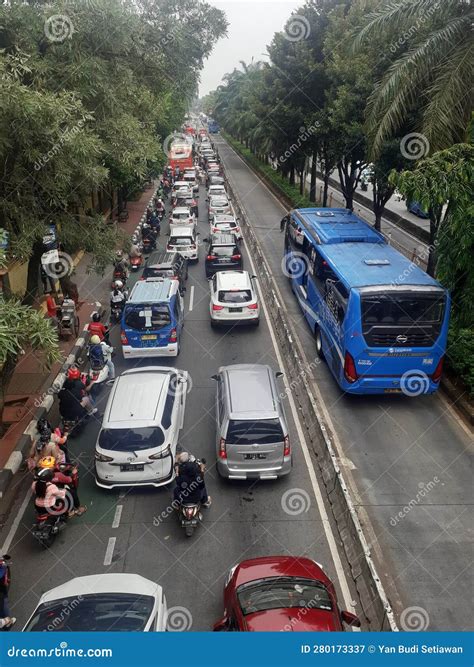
(119, 274)
(136, 262)
(116, 311)
(6, 579)
(97, 375)
(149, 245)
(74, 427)
(47, 526)
(189, 514)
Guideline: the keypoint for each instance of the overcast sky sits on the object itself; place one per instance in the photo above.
(252, 24)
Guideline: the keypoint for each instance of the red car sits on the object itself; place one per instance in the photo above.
(277, 593)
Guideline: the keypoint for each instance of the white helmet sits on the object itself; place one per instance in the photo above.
(118, 284)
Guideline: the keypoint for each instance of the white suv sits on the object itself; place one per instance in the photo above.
(233, 299)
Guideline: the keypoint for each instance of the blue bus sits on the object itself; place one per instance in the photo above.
(213, 126)
(152, 319)
(379, 321)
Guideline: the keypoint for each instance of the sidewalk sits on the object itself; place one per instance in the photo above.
(30, 382)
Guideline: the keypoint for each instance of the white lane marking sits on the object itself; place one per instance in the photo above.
(110, 551)
(14, 527)
(117, 517)
(191, 298)
(309, 464)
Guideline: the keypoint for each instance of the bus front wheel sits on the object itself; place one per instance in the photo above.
(319, 343)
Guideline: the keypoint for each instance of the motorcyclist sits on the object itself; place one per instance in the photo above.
(100, 354)
(121, 265)
(135, 251)
(190, 486)
(61, 478)
(74, 401)
(48, 496)
(148, 234)
(118, 295)
(96, 328)
(44, 446)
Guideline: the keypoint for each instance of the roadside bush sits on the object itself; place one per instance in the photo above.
(460, 354)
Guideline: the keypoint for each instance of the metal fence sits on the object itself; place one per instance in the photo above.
(372, 597)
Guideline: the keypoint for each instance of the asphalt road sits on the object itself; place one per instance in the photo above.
(245, 520)
(402, 455)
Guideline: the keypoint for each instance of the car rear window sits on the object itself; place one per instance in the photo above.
(283, 593)
(181, 216)
(148, 317)
(180, 240)
(131, 439)
(234, 296)
(249, 432)
(224, 251)
(96, 612)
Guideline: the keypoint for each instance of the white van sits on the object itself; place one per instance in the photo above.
(136, 445)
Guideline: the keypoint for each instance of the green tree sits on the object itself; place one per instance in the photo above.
(443, 184)
(432, 73)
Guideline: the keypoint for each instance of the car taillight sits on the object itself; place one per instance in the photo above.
(123, 338)
(216, 307)
(102, 458)
(173, 336)
(287, 449)
(161, 455)
(222, 449)
(235, 256)
(190, 512)
(211, 256)
(350, 372)
(253, 306)
(436, 377)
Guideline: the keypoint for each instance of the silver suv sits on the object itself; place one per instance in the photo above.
(251, 429)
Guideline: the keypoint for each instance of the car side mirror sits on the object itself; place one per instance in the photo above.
(350, 619)
(109, 383)
(215, 377)
(279, 374)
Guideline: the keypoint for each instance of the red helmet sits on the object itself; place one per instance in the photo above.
(74, 373)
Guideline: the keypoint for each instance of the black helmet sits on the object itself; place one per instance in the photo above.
(45, 475)
(96, 317)
(43, 426)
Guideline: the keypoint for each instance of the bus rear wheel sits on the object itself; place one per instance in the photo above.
(318, 340)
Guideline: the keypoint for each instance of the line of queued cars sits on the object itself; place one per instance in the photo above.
(144, 415)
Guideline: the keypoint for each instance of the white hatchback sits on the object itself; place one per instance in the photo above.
(181, 215)
(223, 223)
(137, 441)
(183, 239)
(234, 299)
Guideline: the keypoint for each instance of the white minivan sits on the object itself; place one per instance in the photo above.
(183, 239)
(137, 441)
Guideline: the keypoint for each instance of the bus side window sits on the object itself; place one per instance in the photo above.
(335, 300)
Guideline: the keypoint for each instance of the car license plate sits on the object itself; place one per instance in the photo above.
(129, 467)
(235, 310)
(254, 456)
(223, 260)
(392, 391)
(150, 337)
